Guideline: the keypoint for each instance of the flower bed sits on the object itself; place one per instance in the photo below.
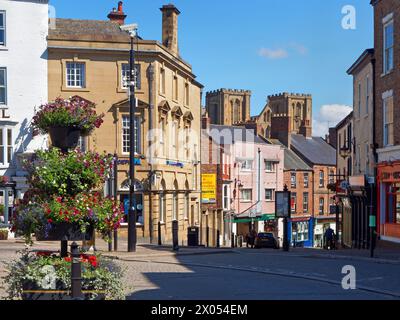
(45, 276)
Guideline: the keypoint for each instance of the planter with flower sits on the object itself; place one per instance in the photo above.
(60, 205)
(46, 276)
(64, 202)
(65, 120)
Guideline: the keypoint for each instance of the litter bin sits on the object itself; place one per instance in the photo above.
(193, 236)
(175, 241)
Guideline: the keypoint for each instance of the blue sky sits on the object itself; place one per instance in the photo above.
(266, 46)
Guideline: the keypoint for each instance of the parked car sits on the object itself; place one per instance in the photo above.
(266, 240)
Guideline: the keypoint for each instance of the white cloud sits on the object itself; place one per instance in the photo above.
(329, 116)
(299, 48)
(283, 52)
(273, 53)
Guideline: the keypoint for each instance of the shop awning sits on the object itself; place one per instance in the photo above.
(264, 217)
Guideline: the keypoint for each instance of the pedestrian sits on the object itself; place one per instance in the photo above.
(253, 235)
(329, 238)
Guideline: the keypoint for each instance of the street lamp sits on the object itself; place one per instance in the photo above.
(132, 238)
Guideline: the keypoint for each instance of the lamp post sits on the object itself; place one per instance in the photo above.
(132, 238)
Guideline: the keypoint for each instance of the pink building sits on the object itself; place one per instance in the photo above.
(256, 172)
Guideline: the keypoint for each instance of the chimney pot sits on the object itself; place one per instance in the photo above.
(117, 16)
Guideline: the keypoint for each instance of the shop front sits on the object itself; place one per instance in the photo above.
(263, 223)
(301, 232)
(388, 222)
(320, 226)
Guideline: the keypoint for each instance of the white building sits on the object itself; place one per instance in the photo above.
(23, 86)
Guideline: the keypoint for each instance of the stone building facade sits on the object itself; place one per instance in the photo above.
(345, 147)
(362, 72)
(228, 107)
(286, 113)
(90, 59)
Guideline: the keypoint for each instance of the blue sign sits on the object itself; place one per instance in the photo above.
(136, 161)
(175, 164)
(126, 205)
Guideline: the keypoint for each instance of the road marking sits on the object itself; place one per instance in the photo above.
(276, 273)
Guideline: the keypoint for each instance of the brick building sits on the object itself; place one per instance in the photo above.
(298, 177)
(387, 115)
(240, 174)
(321, 157)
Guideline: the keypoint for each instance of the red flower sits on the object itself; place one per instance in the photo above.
(49, 220)
(59, 199)
(68, 259)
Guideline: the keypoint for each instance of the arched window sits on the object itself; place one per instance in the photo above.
(269, 116)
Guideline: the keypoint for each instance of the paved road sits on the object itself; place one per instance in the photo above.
(247, 274)
(259, 275)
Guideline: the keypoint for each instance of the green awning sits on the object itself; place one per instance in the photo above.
(264, 217)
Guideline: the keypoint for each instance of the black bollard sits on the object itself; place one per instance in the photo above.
(76, 273)
(232, 240)
(208, 236)
(159, 233)
(175, 240)
(115, 240)
(218, 245)
(110, 241)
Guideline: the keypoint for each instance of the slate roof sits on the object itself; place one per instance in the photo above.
(292, 160)
(95, 29)
(234, 134)
(314, 151)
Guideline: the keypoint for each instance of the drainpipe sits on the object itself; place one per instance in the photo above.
(259, 205)
(373, 194)
(150, 159)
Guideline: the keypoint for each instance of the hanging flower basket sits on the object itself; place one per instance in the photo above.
(64, 138)
(75, 113)
(64, 231)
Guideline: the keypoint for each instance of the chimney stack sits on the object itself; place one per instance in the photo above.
(170, 27)
(117, 16)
